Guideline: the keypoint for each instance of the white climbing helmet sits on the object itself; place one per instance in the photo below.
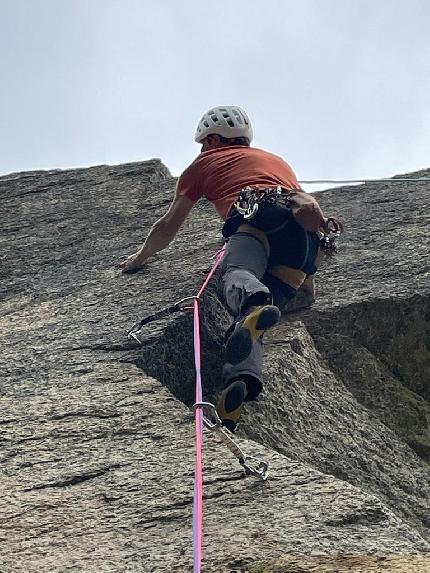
(228, 121)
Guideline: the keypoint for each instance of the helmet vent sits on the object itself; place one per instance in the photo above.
(238, 115)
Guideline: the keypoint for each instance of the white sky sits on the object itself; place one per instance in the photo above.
(339, 88)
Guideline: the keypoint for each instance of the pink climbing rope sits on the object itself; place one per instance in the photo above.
(218, 257)
(198, 476)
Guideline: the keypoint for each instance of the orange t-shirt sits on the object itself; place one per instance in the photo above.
(220, 174)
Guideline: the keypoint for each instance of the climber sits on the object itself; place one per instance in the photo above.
(269, 256)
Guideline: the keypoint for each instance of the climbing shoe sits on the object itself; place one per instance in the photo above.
(248, 330)
(230, 402)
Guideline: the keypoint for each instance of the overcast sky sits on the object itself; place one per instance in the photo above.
(339, 88)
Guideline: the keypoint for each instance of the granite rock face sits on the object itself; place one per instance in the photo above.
(96, 434)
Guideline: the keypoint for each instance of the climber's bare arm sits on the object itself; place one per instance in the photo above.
(162, 233)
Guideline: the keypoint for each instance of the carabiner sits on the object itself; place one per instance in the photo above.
(209, 424)
(261, 471)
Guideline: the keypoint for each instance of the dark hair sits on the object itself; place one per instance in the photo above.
(235, 140)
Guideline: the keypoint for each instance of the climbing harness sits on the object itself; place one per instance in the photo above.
(214, 424)
(251, 198)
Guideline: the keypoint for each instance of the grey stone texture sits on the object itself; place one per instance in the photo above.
(96, 433)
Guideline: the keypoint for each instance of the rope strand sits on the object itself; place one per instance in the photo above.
(198, 480)
(383, 179)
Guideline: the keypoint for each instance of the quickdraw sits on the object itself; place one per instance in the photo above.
(259, 470)
(328, 243)
(180, 306)
(333, 230)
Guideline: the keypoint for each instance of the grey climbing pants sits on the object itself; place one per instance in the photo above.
(265, 265)
(243, 266)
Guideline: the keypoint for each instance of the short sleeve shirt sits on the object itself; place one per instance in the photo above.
(220, 174)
